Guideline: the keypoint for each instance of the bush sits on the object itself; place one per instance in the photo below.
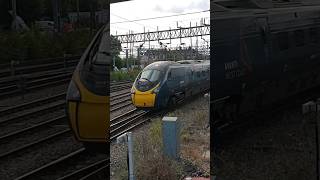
(37, 45)
(124, 76)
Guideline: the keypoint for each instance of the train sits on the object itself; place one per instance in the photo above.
(88, 94)
(263, 53)
(165, 84)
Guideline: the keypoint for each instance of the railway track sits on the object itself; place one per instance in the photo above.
(120, 86)
(35, 76)
(14, 142)
(91, 168)
(34, 66)
(125, 101)
(127, 121)
(12, 80)
(43, 131)
(25, 111)
(24, 85)
(66, 166)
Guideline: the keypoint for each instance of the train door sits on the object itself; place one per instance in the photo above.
(176, 81)
(268, 64)
(265, 37)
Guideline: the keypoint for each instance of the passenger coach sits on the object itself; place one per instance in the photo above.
(166, 83)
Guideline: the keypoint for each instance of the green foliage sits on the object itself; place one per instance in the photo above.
(150, 161)
(118, 62)
(36, 45)
(124, 76)
(115, 46)
(156, 133)
(31, 10)
(115, 51)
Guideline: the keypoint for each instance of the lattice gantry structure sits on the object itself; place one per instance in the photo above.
(183, 32)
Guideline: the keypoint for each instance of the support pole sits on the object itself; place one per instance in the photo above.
(130, 156)
(127, 59)
(127, 138)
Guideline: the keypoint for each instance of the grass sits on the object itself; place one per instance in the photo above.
(149, 161)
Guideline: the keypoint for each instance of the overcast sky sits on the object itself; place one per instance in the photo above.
(141, 9)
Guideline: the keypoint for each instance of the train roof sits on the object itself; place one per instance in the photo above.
(160, 65)
(163, 65)
(193, 61)
(223, 5)
(223, 9)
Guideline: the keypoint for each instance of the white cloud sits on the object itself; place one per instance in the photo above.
(141, 9)
(180, 6)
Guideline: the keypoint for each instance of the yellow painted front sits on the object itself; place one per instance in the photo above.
(144, 99)
(72, 111)
(92, 121)
(93, 118)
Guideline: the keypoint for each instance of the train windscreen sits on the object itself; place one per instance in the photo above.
(148, 79)
(101, 55)
(95, 71)
(151, 75)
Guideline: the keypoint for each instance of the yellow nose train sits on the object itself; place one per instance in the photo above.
(165, 83)
(88, 94)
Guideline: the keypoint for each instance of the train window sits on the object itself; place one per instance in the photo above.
(283, 40)
(179, 72)
(151, 74)
(313, 35)
(299, 37)
(176, 74)
(99, 53)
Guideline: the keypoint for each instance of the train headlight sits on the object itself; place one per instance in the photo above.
(73, 92)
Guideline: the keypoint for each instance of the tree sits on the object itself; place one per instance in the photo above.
(115, 46)
(118, 62)
(115, 51)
